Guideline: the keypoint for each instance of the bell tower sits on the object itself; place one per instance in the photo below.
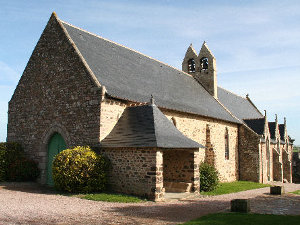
(202, 68)
(190, 63)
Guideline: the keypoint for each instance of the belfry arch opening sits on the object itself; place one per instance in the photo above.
(204, 63)
(191, 66)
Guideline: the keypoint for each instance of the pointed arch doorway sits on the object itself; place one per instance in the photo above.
(55, 145)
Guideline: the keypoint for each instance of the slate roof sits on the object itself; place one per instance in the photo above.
(146, 126)
(272, 126)
(257, 125)
(281, 131)
(130, 75)
(241, 107)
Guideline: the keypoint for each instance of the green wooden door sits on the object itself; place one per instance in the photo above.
(56, 145)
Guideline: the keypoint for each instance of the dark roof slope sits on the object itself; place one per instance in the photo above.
(272, 128)
(146, 126)
(129, 75)
(241, 107)
(281, 131)
(257, 125)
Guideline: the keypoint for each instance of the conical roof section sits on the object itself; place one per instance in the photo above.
(146, 126)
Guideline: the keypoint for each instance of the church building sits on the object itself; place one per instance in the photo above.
(154, 122)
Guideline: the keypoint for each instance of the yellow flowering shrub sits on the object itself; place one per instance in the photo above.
(79, 170)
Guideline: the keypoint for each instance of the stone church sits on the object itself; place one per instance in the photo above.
(154, 122)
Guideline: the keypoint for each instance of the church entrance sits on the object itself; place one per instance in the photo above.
(178, 170)
(55, 145)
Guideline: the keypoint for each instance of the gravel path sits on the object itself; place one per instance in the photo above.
(27, 203)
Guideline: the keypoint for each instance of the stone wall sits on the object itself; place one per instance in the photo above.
(192, 126)
(249, 155)
(181, 165)
(277, 168)
(54, 94)
(110, 113)
(195, 127)
(287, 166)
(136, 171)
(296, 167)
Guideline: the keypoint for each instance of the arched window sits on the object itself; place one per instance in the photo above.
(226, 144)
(204, 63)
(191, 66)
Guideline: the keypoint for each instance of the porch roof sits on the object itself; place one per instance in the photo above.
(146, 126)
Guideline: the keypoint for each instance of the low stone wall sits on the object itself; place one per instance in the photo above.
(136, 171)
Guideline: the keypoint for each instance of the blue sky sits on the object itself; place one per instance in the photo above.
(256, 43)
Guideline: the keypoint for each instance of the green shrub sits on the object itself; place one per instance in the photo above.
(23, 169)
(208, 177)
(2, 166)
(14, 166)
(79, 170)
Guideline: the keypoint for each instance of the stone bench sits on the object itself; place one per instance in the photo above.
(276, 190)
(177, 187)
(240, 205)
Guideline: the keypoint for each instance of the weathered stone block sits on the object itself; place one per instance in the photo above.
(240, 205)
(276, 190)
(178, 187)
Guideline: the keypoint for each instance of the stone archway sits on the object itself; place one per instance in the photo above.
(55, 128)
(56, 144)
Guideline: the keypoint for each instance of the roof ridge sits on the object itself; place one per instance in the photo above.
(154, 124)
(255, 118)
(232, 93)
(249, 100)
(98, 36)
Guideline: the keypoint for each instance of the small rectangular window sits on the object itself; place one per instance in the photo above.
(226, 145)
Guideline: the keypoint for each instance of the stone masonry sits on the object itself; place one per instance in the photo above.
(59, 93)
(249, 155)
(182, 165)
(193, 127)
(55, 94)
(136, 171)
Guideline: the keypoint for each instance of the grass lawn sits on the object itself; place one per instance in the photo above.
(296, 192)
(245, 219)
(236, 186)
(110, 197)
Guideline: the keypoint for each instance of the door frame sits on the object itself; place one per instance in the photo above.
(54, 128)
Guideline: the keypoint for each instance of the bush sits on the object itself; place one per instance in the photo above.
(23, 170)
(208, 177)
(14, 166)
(79, 170)
(2, 166)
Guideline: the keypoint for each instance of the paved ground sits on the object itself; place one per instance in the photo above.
(27, 203)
